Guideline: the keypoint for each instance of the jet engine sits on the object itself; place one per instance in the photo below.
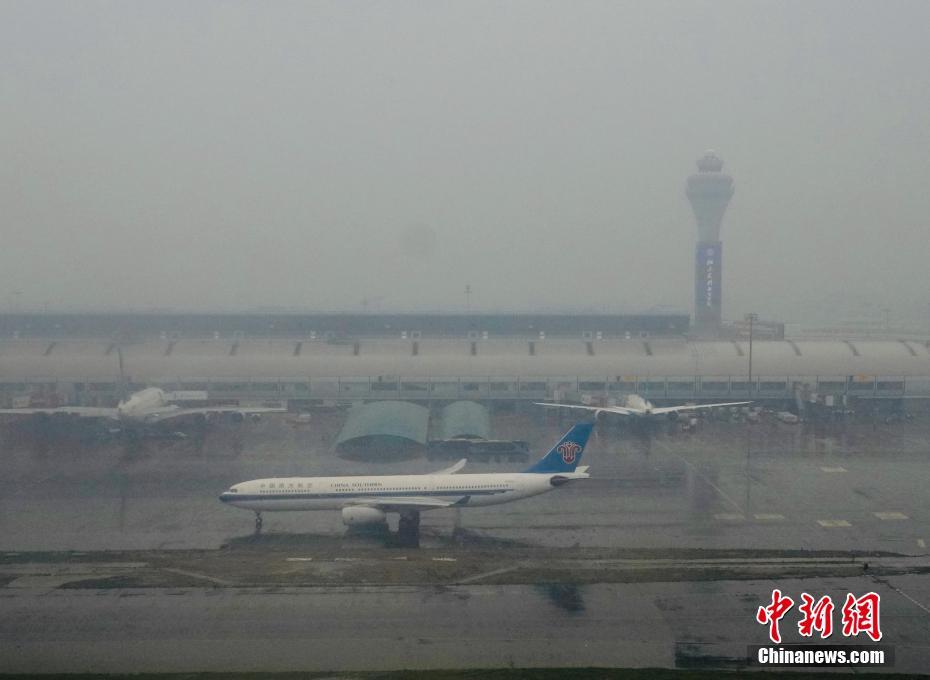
(354, 516)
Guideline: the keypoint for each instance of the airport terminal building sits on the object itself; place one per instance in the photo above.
(423, 358)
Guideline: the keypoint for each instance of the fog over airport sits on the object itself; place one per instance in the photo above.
(382, 156)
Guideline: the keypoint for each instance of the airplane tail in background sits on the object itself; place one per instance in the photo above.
(565, 456)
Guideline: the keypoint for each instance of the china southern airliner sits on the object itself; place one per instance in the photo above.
(367, 500)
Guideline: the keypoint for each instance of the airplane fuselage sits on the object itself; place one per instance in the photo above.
(143, 404)
(638, 403)
(333, 493)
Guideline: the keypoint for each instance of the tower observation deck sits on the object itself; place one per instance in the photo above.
(709, 191)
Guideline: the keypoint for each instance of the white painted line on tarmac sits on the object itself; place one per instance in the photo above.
(769, 516)
(299, 559)
(704, 478)
(890, 515)
(921, 543)
(194, 574)
(444, 559)
(836, 468)
(833, 523)
(729, 516)
(478, 577)
(903, 594)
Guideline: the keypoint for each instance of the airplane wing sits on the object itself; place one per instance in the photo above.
(694, 407)
(402, 503)
(207, 410)
(452, 470)
(82, 411)
(608, 409)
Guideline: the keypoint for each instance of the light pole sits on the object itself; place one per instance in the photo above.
(752, 317)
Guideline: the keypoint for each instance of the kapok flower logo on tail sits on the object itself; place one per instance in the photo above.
(569, 451)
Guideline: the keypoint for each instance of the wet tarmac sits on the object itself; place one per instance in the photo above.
(728, 486)
(311, 629)
(769, 485)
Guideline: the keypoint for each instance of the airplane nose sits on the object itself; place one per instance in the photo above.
(225, 497)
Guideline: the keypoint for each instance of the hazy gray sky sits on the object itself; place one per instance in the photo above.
(226, 155)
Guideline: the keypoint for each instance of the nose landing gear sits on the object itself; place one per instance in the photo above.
(258, 523)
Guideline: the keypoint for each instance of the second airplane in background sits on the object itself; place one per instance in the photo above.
(637, 406)
(145, 407)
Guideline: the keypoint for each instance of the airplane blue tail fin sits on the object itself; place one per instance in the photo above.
(565, 456)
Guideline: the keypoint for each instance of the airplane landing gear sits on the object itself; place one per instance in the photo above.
(458, 532)
(408, 529)
(258, 523)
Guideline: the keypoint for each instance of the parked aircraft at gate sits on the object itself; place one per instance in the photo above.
(367, 500)
(145, 407)
(637, 406)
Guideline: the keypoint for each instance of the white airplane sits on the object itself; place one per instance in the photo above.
(635, 405)
(146, 407)
(367, 500)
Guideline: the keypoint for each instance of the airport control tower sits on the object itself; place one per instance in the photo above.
(709, 191)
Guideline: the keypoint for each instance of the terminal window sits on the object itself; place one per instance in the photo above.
(231, 387)
(623, 386)
(891, 385)
(680, 386)
(265, 387)
(768, 386)
(446, 387)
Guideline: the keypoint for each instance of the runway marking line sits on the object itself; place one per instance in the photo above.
(299, 559)
(891, 515)
(901, 593)
(729, 516)
(478, 577)
(194, 574)
(703, 478)
(921, 543)
(833, 523)
(836, 468)
(445, 559)
(769, 516)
